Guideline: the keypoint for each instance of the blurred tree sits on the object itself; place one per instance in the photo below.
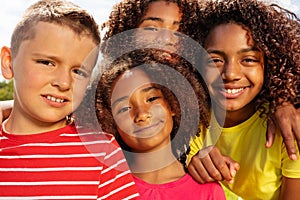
(6, 90)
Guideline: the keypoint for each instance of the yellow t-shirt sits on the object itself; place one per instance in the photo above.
(261, 169)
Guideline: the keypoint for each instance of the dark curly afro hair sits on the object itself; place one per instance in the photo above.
(126, 16)
(275, 30)
(191, 106)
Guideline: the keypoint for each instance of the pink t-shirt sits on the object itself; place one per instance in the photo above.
(183, 188)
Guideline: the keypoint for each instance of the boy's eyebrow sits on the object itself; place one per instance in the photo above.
(147, 89)
(157, 19)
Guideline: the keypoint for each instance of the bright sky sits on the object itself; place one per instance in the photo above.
(12, 10)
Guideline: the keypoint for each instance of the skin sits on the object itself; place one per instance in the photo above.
(141, 112)
(168, 16)
(144, 121)
(51, 72)
(159, 25)
(238, 82)
(241, 66)
(286, 117)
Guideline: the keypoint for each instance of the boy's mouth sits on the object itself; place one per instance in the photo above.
(55, 99)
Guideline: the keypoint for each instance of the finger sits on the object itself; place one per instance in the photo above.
(221, 170)
(210, 167)
(289, 142)
(193, 172)
(198, 171)
(270, 135)
(285, 117)
(233, 166)
(296, 128)
(288, 139)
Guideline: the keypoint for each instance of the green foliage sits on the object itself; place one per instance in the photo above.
(6, 90)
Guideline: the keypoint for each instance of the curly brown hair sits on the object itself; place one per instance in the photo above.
(190, 105)
(126, 16)
(275, 30)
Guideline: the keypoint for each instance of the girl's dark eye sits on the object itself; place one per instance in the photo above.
(122, 110)
(250, 60)
(152, 99)
(151, 29)
(214, 60)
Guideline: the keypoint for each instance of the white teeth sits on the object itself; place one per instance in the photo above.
(55, 99)
(233, 91)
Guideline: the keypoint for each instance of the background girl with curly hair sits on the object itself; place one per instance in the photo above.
(144, 23)
(255, 47)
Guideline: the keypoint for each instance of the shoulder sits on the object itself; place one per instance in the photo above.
(212, 190)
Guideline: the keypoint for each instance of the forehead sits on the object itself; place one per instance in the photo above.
(129, 82)
(60, 42)
(164, 10)
(229, 32)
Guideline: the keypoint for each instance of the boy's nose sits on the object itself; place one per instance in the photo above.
(62, 80)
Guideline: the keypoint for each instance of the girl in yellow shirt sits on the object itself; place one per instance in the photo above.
(255, 49)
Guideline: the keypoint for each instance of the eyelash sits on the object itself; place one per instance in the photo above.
(151, 29)
(76, 71)
(151, 99)
(80, 73)
(124, 109)
(45, 62)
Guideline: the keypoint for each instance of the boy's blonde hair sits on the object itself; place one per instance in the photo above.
(60, 12)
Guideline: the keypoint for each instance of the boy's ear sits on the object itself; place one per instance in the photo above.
(6, 63)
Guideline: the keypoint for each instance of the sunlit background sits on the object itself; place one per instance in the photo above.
(12, 10)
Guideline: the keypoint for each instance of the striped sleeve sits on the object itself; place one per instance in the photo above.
(116, 179)
(63, 164)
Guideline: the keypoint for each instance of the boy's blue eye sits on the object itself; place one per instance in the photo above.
(45, 62)
(80, 73)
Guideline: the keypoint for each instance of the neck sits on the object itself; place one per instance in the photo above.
(156, 167)
(27, 126)
(236, 117)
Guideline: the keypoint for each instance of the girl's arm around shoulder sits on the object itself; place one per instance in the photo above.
(286, 119)
(5, 109)
(290, 188)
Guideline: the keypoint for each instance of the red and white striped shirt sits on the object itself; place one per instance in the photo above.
(68, 163)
